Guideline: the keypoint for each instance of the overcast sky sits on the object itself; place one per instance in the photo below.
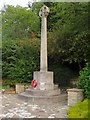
(15, 2)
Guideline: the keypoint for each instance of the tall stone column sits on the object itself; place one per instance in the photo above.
(43, 57)
(44, 77)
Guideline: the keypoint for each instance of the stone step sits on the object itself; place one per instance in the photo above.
(55, 87)
(61, 98)
(36, 92)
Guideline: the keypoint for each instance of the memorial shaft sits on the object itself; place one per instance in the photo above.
(43, 52)
(43, 59)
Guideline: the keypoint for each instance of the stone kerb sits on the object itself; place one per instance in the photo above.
(74, 95)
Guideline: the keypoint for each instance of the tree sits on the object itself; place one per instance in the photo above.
(20, 58)
(69, 37)
(19, 22)
(20, 53)
(84, 80)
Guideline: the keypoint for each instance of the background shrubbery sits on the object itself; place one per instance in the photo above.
(84, 80)
(20, 59)
(79, 110)
(62, 74)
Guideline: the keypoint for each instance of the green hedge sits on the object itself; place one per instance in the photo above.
(84, 80)
(80, 110)
(19, 58)
(62, 74)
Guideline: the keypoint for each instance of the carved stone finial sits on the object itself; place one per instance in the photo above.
(44, 11)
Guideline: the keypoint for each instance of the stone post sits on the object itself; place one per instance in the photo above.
(43, 57)
(74, 95)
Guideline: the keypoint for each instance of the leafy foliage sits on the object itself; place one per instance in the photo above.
(20, 53)
(19, 22)
(84, 80)
(62, 74)
(79, 110)
(20, 59)
(69, 35)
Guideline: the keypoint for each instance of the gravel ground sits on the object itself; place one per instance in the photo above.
(13, 107)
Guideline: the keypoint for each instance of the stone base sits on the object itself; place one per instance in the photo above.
(43, 96)
(45, 92)
(44, 80)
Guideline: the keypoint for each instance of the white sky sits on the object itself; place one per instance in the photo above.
(15, 2)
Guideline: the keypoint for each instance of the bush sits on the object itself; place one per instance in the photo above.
(84, 81)
(62, 74)
(79, 110)
(20, 58)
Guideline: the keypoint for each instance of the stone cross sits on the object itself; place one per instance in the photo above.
(44, 77)
(43, 57)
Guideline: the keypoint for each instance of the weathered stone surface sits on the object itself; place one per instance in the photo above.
(20, 109)
(43, 53)
(44, 100)
(44, 79)
(19, 88)
(42, 92)
(74, 95)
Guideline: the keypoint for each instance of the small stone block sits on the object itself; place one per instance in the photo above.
(74, 95)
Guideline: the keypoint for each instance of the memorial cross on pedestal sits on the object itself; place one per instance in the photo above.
(44, 77)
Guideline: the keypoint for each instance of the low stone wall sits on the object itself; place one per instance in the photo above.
(21, 87)
(74, 95)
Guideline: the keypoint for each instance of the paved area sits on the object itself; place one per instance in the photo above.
(13, 107)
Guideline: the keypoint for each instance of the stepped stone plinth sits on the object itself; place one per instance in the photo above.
(45, 97)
